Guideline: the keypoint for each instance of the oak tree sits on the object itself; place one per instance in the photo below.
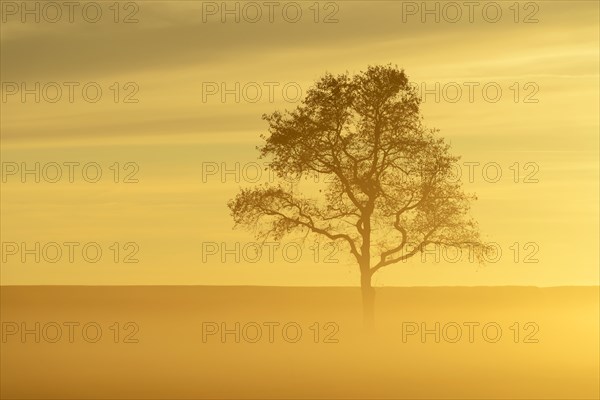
(390, 191)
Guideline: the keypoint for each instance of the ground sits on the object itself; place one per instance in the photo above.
(168, 342)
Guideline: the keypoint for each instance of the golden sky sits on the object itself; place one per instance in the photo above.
(177, 131)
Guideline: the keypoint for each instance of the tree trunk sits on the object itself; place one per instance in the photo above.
(368, 300)
(368, 294)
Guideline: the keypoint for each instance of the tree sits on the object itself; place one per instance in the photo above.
(390, 191)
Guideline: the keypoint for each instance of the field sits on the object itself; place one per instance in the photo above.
(159, 342)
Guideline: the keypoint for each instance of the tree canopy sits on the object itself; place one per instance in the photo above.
(390, 191)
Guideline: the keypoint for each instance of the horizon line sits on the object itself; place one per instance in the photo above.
(299, 287)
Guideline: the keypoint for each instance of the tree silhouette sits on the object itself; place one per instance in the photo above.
(390, 191)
